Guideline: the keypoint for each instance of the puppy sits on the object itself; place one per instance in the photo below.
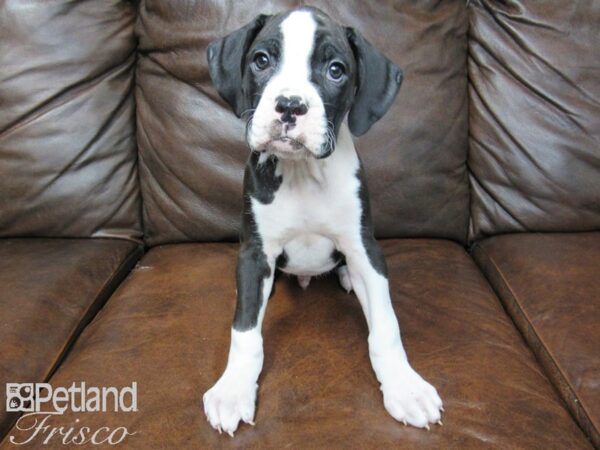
(306, 84)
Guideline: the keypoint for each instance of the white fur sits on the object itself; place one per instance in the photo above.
(292, 78)
(316, 204)
(232, 399)
(344, 277)
(309, 255)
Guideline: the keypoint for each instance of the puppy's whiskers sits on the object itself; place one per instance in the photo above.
(249, 113)
(330, 139)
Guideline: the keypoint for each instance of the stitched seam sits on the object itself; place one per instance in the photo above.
(550, 358)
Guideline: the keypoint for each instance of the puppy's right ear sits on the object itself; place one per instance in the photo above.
(226, 62)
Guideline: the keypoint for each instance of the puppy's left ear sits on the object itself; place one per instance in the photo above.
(378, 81)
(226, 62)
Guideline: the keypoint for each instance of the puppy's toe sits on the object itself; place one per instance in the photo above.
(410, 399)
(228, 402)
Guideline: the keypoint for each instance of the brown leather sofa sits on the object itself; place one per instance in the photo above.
(485, 184)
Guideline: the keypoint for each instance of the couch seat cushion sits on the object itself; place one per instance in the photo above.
(167, 328)
(550, 284)
(51, 288)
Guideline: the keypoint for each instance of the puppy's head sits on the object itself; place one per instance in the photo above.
(295, 76)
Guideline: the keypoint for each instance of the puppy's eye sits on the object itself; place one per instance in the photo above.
(336, 71)
(261, 61)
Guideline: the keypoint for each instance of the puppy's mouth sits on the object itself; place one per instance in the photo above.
(287, 141)
(294, 144)
(285, 145)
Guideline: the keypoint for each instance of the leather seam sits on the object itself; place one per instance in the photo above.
(102, 296)
(549, 355)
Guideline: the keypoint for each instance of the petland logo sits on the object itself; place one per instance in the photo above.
(41, 403)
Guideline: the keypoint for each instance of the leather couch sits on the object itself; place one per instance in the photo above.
(120, 193)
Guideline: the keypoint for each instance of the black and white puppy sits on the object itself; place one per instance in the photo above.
(306, 84)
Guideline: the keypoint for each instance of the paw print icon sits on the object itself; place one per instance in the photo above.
(19, 397)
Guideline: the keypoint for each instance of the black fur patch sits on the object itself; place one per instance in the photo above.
(282, 260)
(366, 227)
(252, 269)
(260, 180)
(260, 183)
(338, 258)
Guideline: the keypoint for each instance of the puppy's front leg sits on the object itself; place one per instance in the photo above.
(233, 397)
(406, 396)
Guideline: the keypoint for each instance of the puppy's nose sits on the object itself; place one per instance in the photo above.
(290, 107)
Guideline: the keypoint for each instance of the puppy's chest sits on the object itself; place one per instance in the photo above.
(319, 200)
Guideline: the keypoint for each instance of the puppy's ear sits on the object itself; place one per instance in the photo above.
(226, 62)
(378, 81)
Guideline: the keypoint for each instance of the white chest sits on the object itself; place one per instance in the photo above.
(315, 203)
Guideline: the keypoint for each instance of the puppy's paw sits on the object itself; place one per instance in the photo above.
(412, 400)
(228, 402)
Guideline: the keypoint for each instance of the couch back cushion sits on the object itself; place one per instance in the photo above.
(191, 145)
(534, 70)
(67, 119)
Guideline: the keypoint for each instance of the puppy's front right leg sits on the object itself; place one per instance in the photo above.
(233, 397)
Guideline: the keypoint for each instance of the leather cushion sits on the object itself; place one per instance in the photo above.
(168, 325)
(550, 284)
(51, 288)
(533, 112)
(192, 152)
(67, 118)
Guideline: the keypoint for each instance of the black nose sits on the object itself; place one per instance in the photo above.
(290, 107)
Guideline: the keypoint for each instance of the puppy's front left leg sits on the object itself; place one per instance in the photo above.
(406, 395)
(233, 397)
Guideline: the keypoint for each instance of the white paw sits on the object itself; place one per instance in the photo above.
(228, 402)
(412, 400)
(303, 281)
(344, 277)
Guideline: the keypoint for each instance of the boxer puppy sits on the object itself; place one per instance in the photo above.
(305, 84)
